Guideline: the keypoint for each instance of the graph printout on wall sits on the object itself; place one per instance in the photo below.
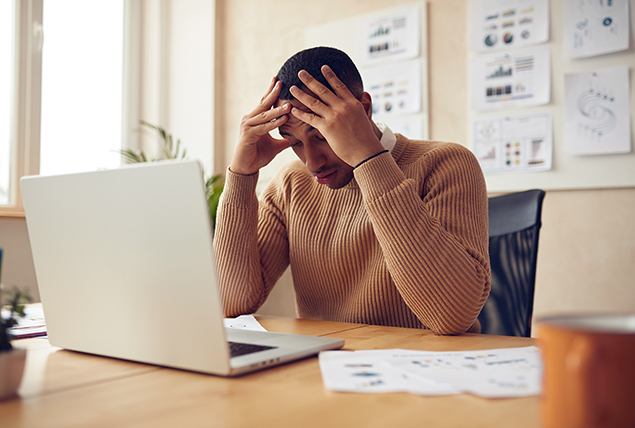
(389, 47)
(514, 144)
(388, 36)
(521, 78)
(506, 24)
(595, 27)
(395, 91)
(597, 112)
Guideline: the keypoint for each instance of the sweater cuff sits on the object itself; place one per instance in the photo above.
(378, 176)
(239, 190)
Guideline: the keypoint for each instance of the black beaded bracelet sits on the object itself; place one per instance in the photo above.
(373, 156)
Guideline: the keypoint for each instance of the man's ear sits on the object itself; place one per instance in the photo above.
(367, 102)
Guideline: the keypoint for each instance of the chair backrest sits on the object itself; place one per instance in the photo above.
(514, 226)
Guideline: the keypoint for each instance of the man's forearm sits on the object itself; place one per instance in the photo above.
(236, 244)
(435, 244)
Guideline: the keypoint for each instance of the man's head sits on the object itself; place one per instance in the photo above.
(312, 61)
(307, 142)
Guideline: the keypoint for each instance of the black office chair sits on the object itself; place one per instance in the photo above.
(514, 225)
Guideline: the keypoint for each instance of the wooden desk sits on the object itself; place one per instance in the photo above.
(68, 389)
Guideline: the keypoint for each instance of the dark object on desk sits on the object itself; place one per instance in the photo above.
(15, 300)
(12, 360)
(514, 226)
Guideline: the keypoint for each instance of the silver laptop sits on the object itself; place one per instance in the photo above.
(125, 269)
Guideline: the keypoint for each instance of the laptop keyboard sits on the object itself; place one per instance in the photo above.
(238, 348)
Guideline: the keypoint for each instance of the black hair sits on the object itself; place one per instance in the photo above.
(312, 60)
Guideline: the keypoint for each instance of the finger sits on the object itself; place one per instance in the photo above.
(341, 90)
(311, 102)
(312, 119)
(269, 99)
(266, 127)
(317, 88)
(272, 85)
(267, 115)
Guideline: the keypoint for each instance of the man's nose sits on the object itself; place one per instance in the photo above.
(315, 157)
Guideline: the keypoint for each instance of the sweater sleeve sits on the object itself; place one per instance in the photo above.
(434, 239)
(250, 244)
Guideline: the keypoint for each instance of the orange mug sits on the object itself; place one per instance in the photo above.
(589, 371)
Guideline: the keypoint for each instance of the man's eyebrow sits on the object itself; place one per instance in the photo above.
(282, 132)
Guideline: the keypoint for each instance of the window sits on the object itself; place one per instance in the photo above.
(20, 140)
(82, 78)
(80, 85)
(69, 73)
(6, 98)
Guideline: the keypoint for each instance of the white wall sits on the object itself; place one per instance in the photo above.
(17, 264)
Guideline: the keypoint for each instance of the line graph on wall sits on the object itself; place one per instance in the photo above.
(597, 112)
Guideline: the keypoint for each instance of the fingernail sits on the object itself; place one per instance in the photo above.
(303, 73)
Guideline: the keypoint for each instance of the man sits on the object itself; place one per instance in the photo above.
(377, 228)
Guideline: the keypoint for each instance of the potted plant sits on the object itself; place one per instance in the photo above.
(11, 359)
(168, 150)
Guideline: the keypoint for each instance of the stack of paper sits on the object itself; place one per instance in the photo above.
(493, 373)
(32, 324)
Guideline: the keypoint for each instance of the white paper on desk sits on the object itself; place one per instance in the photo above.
(33, 317)
(492, 373)
(32, 324)
(366, 371)
(244, 322)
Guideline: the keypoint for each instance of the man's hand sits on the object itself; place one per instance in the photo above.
(340, 117)
(256, 148)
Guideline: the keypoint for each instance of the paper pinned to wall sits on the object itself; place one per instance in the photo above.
(388, 36)
(404, 29)
(396, 91)
(597, 112)
(595, 27)
(521, 78)
(514, 144)
(505, 24)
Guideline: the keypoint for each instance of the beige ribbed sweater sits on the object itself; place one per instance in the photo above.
(404, 244)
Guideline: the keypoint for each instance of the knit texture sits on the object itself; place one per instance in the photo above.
(405, 243)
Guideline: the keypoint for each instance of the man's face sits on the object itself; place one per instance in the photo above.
(313, 149)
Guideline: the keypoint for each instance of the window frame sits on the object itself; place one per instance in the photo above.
(27, 86)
